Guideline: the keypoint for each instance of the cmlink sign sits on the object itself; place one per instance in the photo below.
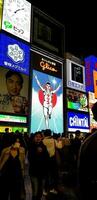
(78, 121)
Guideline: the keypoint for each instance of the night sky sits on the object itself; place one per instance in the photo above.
(80, 21)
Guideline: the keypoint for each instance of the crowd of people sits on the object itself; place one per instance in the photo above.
(49, 157)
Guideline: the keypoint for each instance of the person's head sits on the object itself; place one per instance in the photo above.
(94, 111)
(6, 130)
(77, 133)
(47, 132)
(38, 137)
(14, 82)
(48, 86)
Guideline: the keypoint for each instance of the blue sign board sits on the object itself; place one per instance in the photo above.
(14, 54)
(90, 66)
(78, 121)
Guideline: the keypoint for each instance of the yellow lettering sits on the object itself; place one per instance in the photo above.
(45, 65)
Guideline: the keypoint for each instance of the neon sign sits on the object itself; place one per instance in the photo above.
(78, 121)
(90, 67)
(14, 54)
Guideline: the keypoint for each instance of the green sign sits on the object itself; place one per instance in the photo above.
(7, 24)
(1, 5)
(10, 118)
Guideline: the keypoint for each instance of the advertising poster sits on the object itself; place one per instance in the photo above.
(14, 54)
(13, 92)
(16, 18)
(47, 103)
(90, 71)
(92, 100)
(77, 100)
(75, 75)
(78, 121)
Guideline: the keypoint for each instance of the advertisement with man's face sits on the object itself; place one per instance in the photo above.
(13, 92)
(47, 103)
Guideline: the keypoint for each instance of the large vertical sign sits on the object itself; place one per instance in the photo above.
(47, 95)
(95, 83)
(92, 100)
(91, 85)
(16, 18)
(75, 75)
(90, 71)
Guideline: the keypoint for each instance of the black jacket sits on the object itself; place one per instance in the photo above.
(38, 160)
(87, 168)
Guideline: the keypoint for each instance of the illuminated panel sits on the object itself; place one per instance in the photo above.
(9, 118)
(92, 100)
(47, 107)
(0, 13)
(20, 129)
(13, 129)
(16, 18)
(90, 67)
(95, 83)
(77, 100)
(13, 93)
(75, 75)
(14, 54)
(46, 64)
(78, 121)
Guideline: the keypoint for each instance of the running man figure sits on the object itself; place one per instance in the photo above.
(47, 103)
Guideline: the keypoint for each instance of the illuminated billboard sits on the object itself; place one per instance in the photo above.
(48, 34)
(47, 103)
(13, 92)
(78, 121)
(46, 64)
(75, 75)
(1, 4)
(10, 118)
(77, 100)
(13, 129)
(91, 71)
(95, 83)
(92, 100)
(16, 18)
(14, 54)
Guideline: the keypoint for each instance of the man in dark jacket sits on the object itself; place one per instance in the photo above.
(38, 165)
(87, 164)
